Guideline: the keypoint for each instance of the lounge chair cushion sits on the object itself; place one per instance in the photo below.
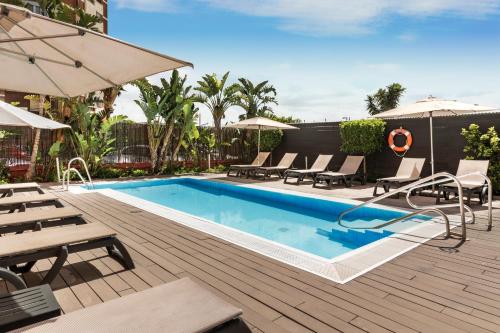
(179, 306)
(305, 170)
(333, 174)
(38, 215)
(11, 245)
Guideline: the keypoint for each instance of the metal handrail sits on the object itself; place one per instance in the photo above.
(490, 198)
(66, 174)
(419, 183)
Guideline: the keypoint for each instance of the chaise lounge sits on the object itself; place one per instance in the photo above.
(409, 171)
(28, 248)
(320, 165)
(346, 174)
(7, 190)
(37, 219)
(178, 306)
(21, 202)
(244, 169)
(472, 184)
(285, 164)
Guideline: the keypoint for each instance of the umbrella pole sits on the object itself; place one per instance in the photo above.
(258, 146)
(432, 147)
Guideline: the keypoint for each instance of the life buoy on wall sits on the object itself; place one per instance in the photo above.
(400, 150)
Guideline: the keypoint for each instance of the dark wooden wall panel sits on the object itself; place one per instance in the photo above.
(324, 138)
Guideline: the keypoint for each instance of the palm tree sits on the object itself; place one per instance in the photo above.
(384, 99)
(218, 99)
(255, 99)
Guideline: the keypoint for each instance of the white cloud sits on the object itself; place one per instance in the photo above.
(149, 5)
(328, 17)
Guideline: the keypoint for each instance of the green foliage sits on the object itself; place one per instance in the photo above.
(484, 146)
(270, 140)
(384, 99)
(255, 99)
(138, 173)
(93, 134)
(108, 173)
(4, 172)
(218, 98)
(362, 137)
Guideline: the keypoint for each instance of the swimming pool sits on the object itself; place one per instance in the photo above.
(303, 223)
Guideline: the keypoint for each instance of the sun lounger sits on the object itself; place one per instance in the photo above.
(283, 165)
(21, 202)
(347, 172)
(27, 306)
(7, 190)
(320, 165)
(28, 248)
(243, 169)
(473, 184)
(409, 171)
(178, 306)
(38, 219)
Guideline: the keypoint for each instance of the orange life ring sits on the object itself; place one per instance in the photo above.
(408, 143)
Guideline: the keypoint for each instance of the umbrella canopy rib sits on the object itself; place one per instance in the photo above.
(34, 63)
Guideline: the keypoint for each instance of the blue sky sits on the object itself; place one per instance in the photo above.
(324, 56)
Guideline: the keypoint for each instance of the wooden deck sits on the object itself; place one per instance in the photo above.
(433, 288)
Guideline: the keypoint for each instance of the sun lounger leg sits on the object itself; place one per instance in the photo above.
(58, 264)
(13, 278)
(118, 252)
(375, 189)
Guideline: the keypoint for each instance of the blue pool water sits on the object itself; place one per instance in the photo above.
(307, 224)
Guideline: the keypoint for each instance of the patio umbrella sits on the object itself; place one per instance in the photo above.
(430, 107)
(48, 57)
(11, 115)
(261, 124)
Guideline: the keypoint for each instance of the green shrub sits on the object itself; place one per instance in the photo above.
(484, 146)
(109, 173)
(362, 137)
(138, 173)
(217, 169)
(270, 140)
(4, 172)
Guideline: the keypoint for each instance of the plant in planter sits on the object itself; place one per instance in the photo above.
(362, 137)
(484, 146)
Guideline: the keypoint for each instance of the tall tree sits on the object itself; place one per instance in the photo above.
(218, 99)
(255, 99)
(384, 99)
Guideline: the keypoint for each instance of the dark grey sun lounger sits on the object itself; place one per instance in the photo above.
(175, 307)
(244, 169)
(7, 190)
(21, 202)
(471, 184)
(28, 248)
(285, 164)
(320, 165)
(347, 172)
(409, 171)
(37, 219)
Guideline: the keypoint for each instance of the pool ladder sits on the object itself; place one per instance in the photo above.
(436, 179)
(66, 175)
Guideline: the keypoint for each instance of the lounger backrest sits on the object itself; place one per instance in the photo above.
(410, 167)
(351, 165)
(261, 158)
(468, 166)
(322, 162)
(287, 160)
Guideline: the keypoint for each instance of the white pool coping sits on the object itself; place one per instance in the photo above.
(340, 269)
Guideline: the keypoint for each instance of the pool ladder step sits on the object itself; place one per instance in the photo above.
(353, 236)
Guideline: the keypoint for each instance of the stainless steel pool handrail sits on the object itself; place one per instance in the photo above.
(66, 174)
(427, 181)
(490, 198)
